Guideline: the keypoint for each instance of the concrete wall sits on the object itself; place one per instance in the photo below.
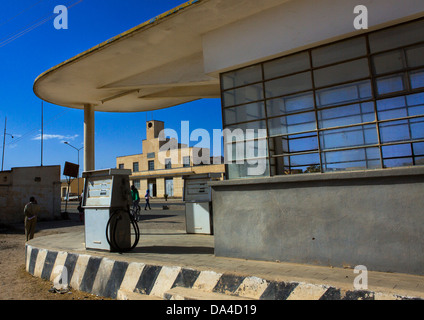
(41, 182)
(372, 218)
(160, 187)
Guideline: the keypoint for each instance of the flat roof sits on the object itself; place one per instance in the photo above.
(154, 65)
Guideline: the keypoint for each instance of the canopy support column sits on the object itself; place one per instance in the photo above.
(89, 138)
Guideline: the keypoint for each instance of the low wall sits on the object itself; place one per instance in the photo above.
(373, 218)
(124, 280)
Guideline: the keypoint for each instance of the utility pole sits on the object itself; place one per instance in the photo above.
(4, 141)
(42, 131)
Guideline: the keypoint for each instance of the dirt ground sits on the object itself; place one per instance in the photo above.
(17, 284)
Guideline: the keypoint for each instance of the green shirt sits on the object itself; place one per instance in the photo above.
(134, 195)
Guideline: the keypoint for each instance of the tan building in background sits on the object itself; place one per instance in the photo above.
(162, 172)
(76, 187)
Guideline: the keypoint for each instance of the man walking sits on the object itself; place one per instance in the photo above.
(147, 197)
(30, 211)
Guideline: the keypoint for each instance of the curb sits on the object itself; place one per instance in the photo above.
(112, 279)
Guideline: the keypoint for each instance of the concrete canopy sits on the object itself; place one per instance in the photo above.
(155, 65)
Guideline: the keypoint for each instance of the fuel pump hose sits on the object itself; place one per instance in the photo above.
(114, 244)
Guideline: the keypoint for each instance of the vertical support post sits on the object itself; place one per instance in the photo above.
(42, 130)
(4, 142)
(89, 163)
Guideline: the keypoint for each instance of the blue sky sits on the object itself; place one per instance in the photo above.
(29, 47)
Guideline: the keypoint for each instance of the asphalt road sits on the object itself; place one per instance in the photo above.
(163, 215)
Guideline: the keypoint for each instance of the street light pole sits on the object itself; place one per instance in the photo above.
(78, 150)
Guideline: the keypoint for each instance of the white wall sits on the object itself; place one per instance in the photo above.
(296, 25)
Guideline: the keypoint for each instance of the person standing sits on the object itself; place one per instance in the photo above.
(147, 197)
(31, 211)
(81, 209)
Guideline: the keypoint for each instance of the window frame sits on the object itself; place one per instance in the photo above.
(367, 93)
(151, 165)
(136, 166)
(168, 163)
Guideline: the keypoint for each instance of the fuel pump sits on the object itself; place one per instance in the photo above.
(106, 203)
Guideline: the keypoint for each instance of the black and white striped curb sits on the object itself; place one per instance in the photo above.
(108, 278)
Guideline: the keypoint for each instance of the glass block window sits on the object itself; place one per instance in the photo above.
(350, 105)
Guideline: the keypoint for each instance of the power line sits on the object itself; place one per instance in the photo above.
(31, 26)
(59, 115)
(12, 37)
(22, 32)
(23, 11)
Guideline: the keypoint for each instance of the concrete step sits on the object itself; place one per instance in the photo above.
(180, 293)
(128, 295)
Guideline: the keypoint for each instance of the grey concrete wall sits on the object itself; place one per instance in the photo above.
(372, 218)
(19, 184)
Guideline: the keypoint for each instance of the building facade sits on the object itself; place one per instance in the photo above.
(75, 188)
(161, 171)
(339, 128)
(354, 104)
(334, 112)
(19, 184)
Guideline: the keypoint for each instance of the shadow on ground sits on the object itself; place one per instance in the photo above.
(174, 250)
